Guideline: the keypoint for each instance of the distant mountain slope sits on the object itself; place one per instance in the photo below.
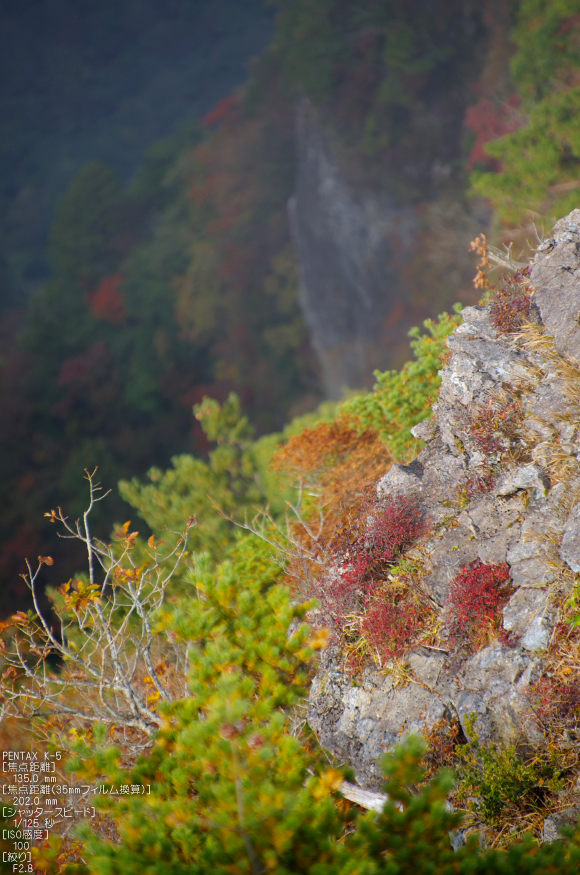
(82, 80)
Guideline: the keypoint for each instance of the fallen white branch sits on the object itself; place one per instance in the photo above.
(365, 798)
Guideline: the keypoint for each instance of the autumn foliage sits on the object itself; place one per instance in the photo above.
(376, 539)
(396, 615)
(374, 611)
(476, 597)
(489, 120)
(337, 464)
(512, 303)
(107, 302)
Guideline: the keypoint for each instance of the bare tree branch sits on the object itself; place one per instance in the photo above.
(115, 663)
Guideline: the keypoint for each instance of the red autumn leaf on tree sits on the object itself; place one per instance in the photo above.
(489, 121)
(80, 368)
(220, 111)
(107, 302)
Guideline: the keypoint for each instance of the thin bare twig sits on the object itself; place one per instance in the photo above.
(115, 664)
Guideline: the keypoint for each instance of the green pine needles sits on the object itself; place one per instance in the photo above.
(401, 399)
(536, 169)
(237, 789)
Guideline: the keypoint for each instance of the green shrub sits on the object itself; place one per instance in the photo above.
(506, 785)
(538, 169)
(401, 399)
(539, 162)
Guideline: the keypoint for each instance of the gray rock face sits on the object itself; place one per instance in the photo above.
(556, 277)
(426, 665)
(492, 686)
(528, 616)
(346, 243)
(553, 825)
(525, 477)
(527, 516)
(570, 549)
(360, 723)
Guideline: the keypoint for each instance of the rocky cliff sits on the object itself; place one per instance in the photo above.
(371, 262)
(351, 246)
(499, 482)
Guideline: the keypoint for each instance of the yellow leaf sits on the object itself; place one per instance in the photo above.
(280, 838)
(319, 639)
(20, 617)
(329, 782)
(126, 527)
(151, 541)
(178, 818)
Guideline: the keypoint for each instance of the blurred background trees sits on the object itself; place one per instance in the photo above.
(171, 272)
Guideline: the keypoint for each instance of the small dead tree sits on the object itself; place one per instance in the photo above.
(115, 659)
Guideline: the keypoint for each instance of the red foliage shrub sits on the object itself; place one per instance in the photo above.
(107, 302)
(392, 624)
(359, 558)
(484, 481)
(381, 534)
(493, 426)
(489, 121)
(511, 306)
(556, 703)
(484, 433)
(475, 598)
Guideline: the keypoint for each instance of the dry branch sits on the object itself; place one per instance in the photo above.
(114, 662)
